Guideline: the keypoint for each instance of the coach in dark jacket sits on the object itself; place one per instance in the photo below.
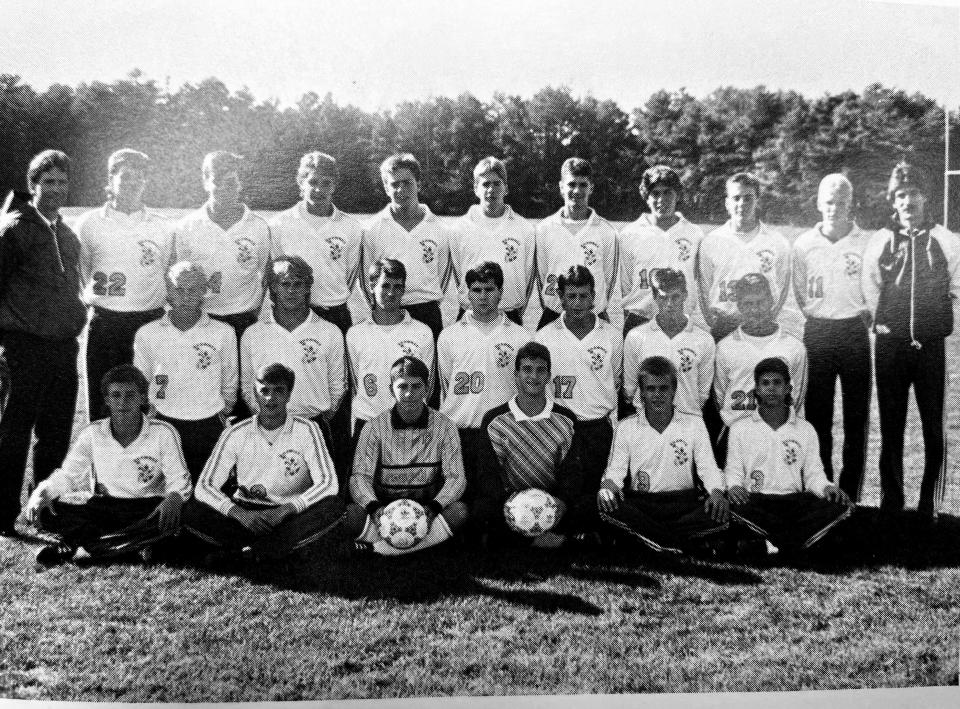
(41, 315)
(911, 276)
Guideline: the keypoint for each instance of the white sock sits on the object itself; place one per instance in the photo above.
(370, 535)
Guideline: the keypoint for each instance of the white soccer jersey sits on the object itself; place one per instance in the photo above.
(724, 258)
(424, 252)
(826, 274)
(586, 373)
(295, 468)
(371, 351)
(738, 354)
(234, 260)
(643, 247)
(313, 350)
(662, 462)
(193, 374)
(330, 245)
(692, 352)
(476, 368)
(151, 466)
(508, 241)
(777, 462)
(593, 246)
(124, 258)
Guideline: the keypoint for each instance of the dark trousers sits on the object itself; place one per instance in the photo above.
(594, 440)
(716, 429)
(899, 365)
(516, 315)
(338, 315)
(840, 348)
(664, 520)
(339, 429)
(295, 532)
(471, 440)
(109, 343)
(632, 320)
(790, 522)
(106, 524)
(198, 439)
(547, 317)
(239, 322)
(43, 399)
(429, 314)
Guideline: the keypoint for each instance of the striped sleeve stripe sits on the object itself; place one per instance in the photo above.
(320, 486)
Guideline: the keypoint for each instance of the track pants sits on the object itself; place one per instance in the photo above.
(664, 521)
(105, 525)
(790, 522)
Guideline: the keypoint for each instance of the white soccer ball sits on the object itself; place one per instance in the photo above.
(403, 524)
(531, 512)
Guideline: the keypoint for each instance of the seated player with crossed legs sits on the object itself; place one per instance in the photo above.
(650, 489)
(121, 487)
(529, 443)
(410, 452)
(285, 488)
(774, 475)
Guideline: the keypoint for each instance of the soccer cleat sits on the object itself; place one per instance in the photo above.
(363, 549)
(55, 554)
(146, 554)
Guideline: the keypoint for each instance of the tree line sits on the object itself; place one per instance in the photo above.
(788, 140)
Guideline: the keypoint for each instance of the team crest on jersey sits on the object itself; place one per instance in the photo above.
(683, 248)
(336, 247)
(245, 250)
(766, 257)
(643, 481)
(147, 467)
(504, 353)
(311, 348)
(756, 480)
(681, 455)
(687, 358)
(429, 247)
(791, 451)
(597, 354)
(293, 462)
(409, 348)
(149, 253)
(590, 249)
(205, 353)
(852, 263)
(511, 249)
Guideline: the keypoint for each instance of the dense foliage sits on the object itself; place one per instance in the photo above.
(788, 139)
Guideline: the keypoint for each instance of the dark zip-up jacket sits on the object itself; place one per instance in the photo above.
(910, 280)
(40, 284)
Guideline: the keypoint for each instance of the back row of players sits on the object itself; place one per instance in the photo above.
(224, 256)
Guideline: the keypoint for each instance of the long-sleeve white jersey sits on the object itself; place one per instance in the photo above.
(662, 462)
(371, 351)
(475, 364)
(692, 352)
(313, 350)
(586, 373)
(151, 466)
(424, 252)
(508, 240)
(593, 246)
(826, 274)
(124, 258)
(738, 354)
(643, 247)
(193, 375)
(775, 462)
(294, 468)
(331, 245)
(234, 260)
(724, 257)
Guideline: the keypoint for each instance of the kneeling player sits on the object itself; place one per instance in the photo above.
(529, 443)
(789, 502)
(285, 487)
(121, 487)
(650, 488)
(409, 452)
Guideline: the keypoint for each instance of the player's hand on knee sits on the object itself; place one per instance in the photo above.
(717, 506)
(738, 495)
(169, 511)
(831, 493)
(38, 502)
(609, 500)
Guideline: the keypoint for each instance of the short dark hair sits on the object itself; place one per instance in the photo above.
(578, 167)
(532, 350)
(125, 374)
(484, 272)
(905, 175)
(390, 267)
(320, 163)
(659, 175)
(745, 179)
(773, 365)
(750, 284)
(221, 161)
(657, 366)
(44, 161)
(576, 276)
(276, 373)
(408, 366)
(282, 264)
(664, 279)
(398, 161)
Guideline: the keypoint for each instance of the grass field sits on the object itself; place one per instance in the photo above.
(883, 611)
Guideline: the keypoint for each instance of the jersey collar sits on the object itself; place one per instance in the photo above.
(791, 417)
(520, 416)
(302, 208)
(474, 213)
(422, 421)
(655, 326)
